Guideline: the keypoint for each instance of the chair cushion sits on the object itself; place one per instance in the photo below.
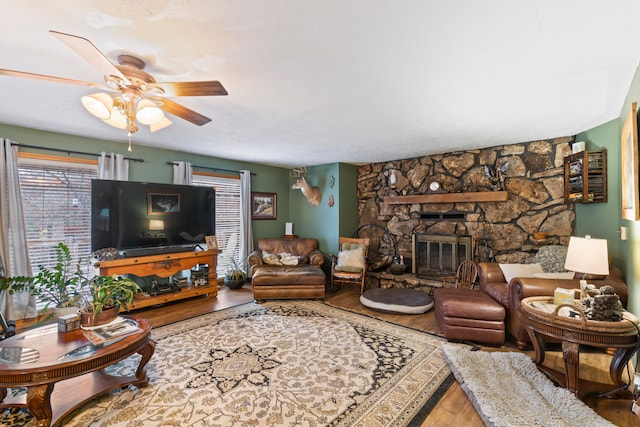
(348, 269)
(351, 258)
(397, 300)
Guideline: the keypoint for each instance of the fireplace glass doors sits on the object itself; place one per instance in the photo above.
(438, 255)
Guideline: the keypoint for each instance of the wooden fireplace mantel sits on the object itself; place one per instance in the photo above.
(478, 196)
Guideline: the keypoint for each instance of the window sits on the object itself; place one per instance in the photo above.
(227, 215)
(56, 198)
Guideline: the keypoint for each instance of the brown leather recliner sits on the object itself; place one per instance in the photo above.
(509, 295)
(295, 270)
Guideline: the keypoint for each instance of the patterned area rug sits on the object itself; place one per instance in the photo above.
(278, 363)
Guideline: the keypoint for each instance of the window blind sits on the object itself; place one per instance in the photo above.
(227, 216)
(56, 199)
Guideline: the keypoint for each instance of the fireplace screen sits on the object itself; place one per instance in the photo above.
(438, 255)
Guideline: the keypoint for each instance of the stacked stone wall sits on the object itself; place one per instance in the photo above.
(534, 180)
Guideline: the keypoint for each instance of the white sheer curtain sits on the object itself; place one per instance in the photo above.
(113, 166)
(182, 173)
(246, 231)
(14, 254)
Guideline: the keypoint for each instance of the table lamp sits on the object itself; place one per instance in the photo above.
(587, 256)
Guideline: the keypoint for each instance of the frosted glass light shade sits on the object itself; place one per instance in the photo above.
(148, 112)
(98, 104)
(587, 255)
(117, 119)
(161, 124)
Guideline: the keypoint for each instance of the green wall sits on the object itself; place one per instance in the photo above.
(154, 168)
(589, 217)
(326, 223)
(631, 247)
(323, 222)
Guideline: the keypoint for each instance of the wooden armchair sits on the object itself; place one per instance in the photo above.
(350, 265)
(465, 276)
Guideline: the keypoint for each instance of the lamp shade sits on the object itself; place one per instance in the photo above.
(148, 112)
(156, 224)
(117, 119)
(99, 104)
(587, 255)
(160, 125)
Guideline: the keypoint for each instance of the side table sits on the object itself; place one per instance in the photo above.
(541, 322)
(42, 359)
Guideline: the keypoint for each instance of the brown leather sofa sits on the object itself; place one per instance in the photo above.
(287, 268)
(509, 295)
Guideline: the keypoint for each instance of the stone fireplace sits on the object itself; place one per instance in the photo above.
(534, 182)
(438, 255)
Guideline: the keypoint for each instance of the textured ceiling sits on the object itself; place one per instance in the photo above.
(321, 81)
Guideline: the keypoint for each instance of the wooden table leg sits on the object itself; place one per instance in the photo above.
(571, 356)
(538, 346)
(141, 374)
(618, 362)
(39, 403)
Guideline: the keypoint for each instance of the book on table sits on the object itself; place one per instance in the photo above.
(113, 331)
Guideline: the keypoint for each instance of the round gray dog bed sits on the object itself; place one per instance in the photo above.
(397, 300)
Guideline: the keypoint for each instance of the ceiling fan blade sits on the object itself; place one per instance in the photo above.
(33, 76)
(91, 54)
(204, 88)
(182, 111)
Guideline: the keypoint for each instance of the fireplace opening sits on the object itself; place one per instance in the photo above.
(438, 255)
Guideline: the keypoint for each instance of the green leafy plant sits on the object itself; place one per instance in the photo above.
(102, 292)
(235, 276)
(67, 285)
(55, 287)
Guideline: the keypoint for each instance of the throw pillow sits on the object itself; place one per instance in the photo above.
(270, 259)
(288, 259)
(520, 270)
(551, 258)
(566, 275)
(351, 258)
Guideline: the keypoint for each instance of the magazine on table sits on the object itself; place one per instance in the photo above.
(112, 332)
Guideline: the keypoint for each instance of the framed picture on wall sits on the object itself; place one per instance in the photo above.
(263, 205)
(629, 154)
(159, 203)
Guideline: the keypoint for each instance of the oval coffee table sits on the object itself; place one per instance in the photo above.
(541, 319)
(42, 358)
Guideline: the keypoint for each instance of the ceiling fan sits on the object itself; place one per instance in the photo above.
(132, 93)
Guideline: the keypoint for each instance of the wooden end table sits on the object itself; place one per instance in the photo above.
(42, 358)
(572, 332)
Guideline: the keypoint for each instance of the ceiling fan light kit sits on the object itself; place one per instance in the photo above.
(136, 94)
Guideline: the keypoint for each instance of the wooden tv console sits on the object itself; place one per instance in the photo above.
(165, 265)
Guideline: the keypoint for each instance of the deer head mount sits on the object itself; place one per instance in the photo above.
(311, 193)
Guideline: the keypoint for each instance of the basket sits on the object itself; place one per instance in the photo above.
(628, 322)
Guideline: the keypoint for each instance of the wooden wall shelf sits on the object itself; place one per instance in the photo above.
(480, 196)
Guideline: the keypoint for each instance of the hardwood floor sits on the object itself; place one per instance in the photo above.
(454, 409)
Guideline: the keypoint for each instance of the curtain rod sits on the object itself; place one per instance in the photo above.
(60, 150)
(210, 168)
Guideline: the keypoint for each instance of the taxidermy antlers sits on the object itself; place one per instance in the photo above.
(496, 176)
(312, 193)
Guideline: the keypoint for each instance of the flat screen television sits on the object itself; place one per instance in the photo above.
(139, 218)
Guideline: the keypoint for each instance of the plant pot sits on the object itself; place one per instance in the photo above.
(105, 316)
(234, 282)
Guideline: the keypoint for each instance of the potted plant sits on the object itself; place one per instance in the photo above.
(56, 287)
(235, 276)
(103, 297)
